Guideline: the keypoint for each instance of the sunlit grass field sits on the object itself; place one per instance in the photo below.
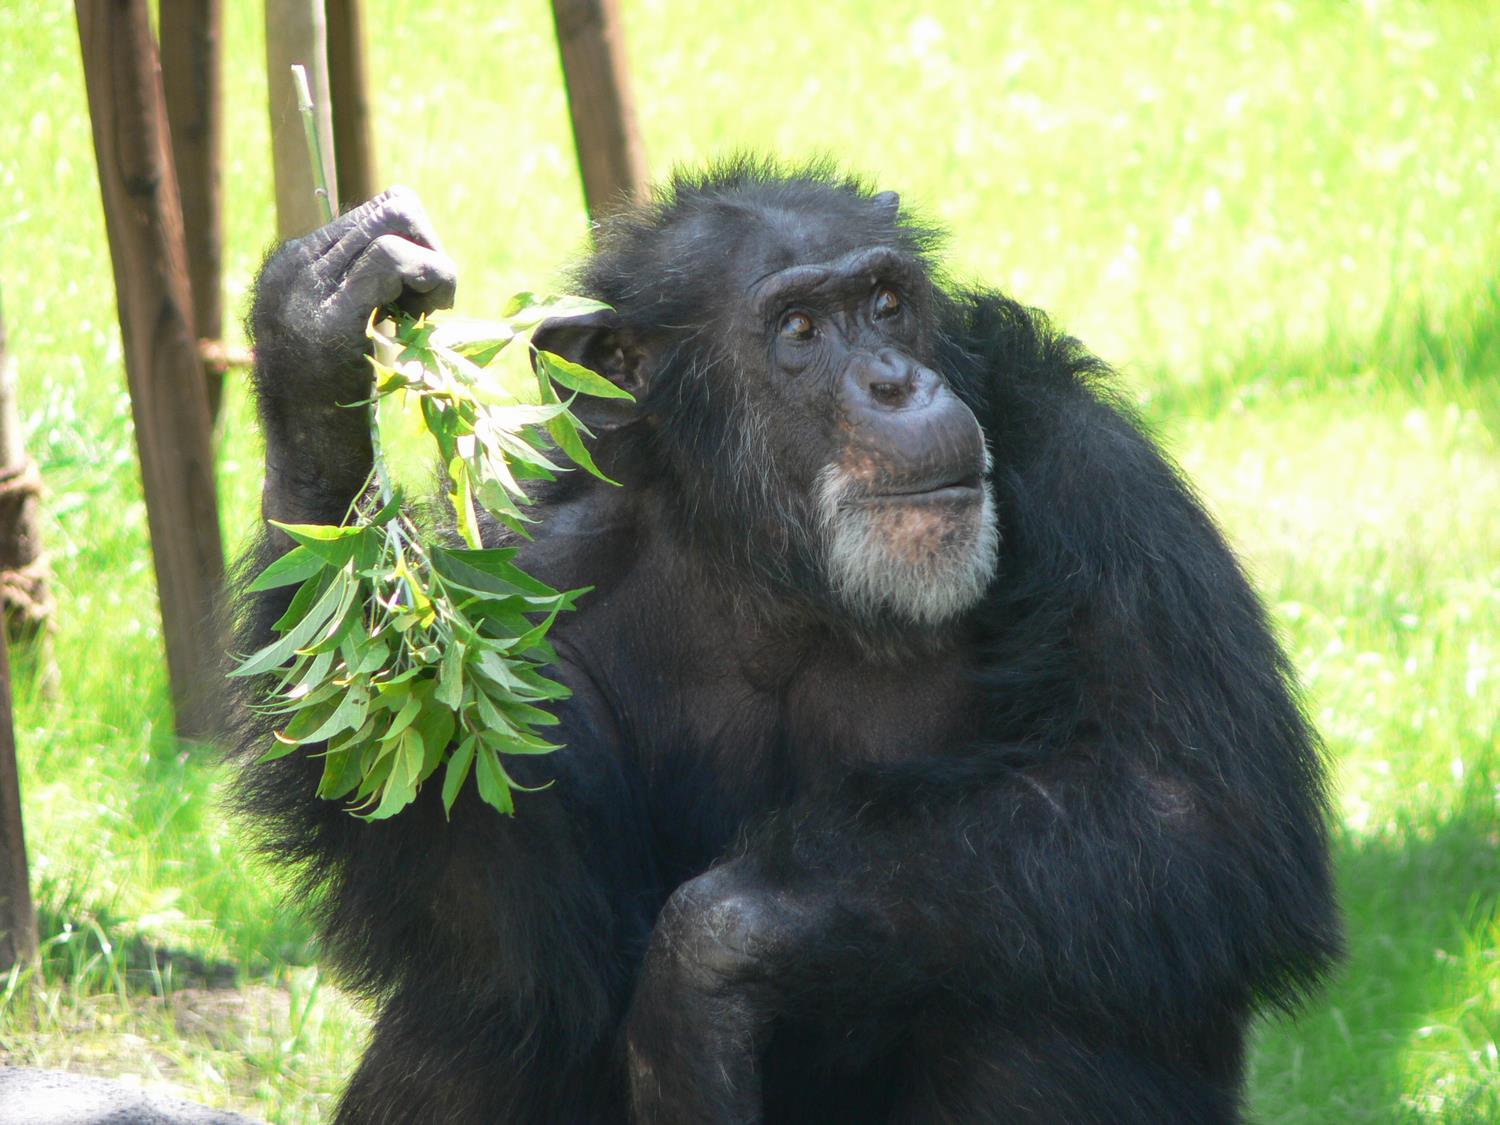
(1280, 221)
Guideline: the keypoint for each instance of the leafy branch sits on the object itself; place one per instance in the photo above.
(404, 655)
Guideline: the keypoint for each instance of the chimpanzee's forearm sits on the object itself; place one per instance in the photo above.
(318, 450)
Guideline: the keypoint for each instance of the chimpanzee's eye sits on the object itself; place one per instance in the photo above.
(797, 326)
(887, 303)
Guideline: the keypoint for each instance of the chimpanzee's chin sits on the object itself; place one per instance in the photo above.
(922, 558)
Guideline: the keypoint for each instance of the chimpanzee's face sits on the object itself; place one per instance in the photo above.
(782, 360)
(894, 463)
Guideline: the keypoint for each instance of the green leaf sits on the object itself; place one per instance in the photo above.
(408, 768)
(375, 770)
(502, 745)
(348, 618)
(488, 715)
(564, 431)
(541, 686)
(356, 739)
(342, 771)
(497, 670)
(437, 726)
(461, 497)
(398, 792)
(450, 683)
(404, 716)
(513, 740)
(458, 771)
(296, 565)
(523, 715)
(301, 632)
(303, 600)
(306, 720)
(368, 659)
(526, 310)
(569, 374)
(510, 441)
(310, 681)
(510, 419)
(436, 751)
(493, 564)
(348, 715)
(494, 783)
(468, 336)
(495, 495)
(334, 545)
(534, 635)
(278, 749)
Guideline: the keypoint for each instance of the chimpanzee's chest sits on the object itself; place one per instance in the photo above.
(738, 744)
(840, 713)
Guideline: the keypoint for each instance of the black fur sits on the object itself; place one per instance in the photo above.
(1043, 863)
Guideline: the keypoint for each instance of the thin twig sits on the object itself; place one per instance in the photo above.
(314, 145)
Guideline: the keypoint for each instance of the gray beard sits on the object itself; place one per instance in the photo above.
(873, 570)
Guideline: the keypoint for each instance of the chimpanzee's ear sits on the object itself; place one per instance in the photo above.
(601, 343)
(887, 201)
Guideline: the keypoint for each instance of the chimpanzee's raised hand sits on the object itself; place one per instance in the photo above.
(313, 299)
(315, 293)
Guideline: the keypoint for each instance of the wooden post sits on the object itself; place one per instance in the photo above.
(296, 33)
(143, 218)
(353, 151)
(17, 915)
(610, 156)
(191, 33)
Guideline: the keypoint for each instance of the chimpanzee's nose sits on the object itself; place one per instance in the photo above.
(888, 380)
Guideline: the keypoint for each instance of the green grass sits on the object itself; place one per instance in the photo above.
(1278, 220)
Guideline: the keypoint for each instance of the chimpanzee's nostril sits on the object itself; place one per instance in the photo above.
(888, 394)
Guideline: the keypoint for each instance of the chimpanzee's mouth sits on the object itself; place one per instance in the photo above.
(952, 490)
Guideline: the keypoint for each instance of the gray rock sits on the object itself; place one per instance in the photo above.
(53, 1097)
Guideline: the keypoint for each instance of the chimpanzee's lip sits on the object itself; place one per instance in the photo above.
(965, 489)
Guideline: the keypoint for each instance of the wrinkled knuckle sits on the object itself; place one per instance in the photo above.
(403, 201)
(399, 209)
(381, 201)
(718, 939)
(388, 249)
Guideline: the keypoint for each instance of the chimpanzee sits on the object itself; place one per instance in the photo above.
(928, 758)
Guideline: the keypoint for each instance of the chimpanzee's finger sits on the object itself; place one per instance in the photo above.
(392, 268)
(397, 211)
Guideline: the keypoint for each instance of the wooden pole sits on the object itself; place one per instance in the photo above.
(353, 150)
(610, 155)
(191, 33)
(17, 915)
(296, 32)
(143, 218)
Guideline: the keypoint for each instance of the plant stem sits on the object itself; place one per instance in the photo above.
(314, 145)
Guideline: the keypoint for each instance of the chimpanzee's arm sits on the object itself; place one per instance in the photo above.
(1151, 859)
(496, 949)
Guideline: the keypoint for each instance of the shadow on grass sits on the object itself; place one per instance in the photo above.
(1459, 348)
(93, 951)
(1404, 1032)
